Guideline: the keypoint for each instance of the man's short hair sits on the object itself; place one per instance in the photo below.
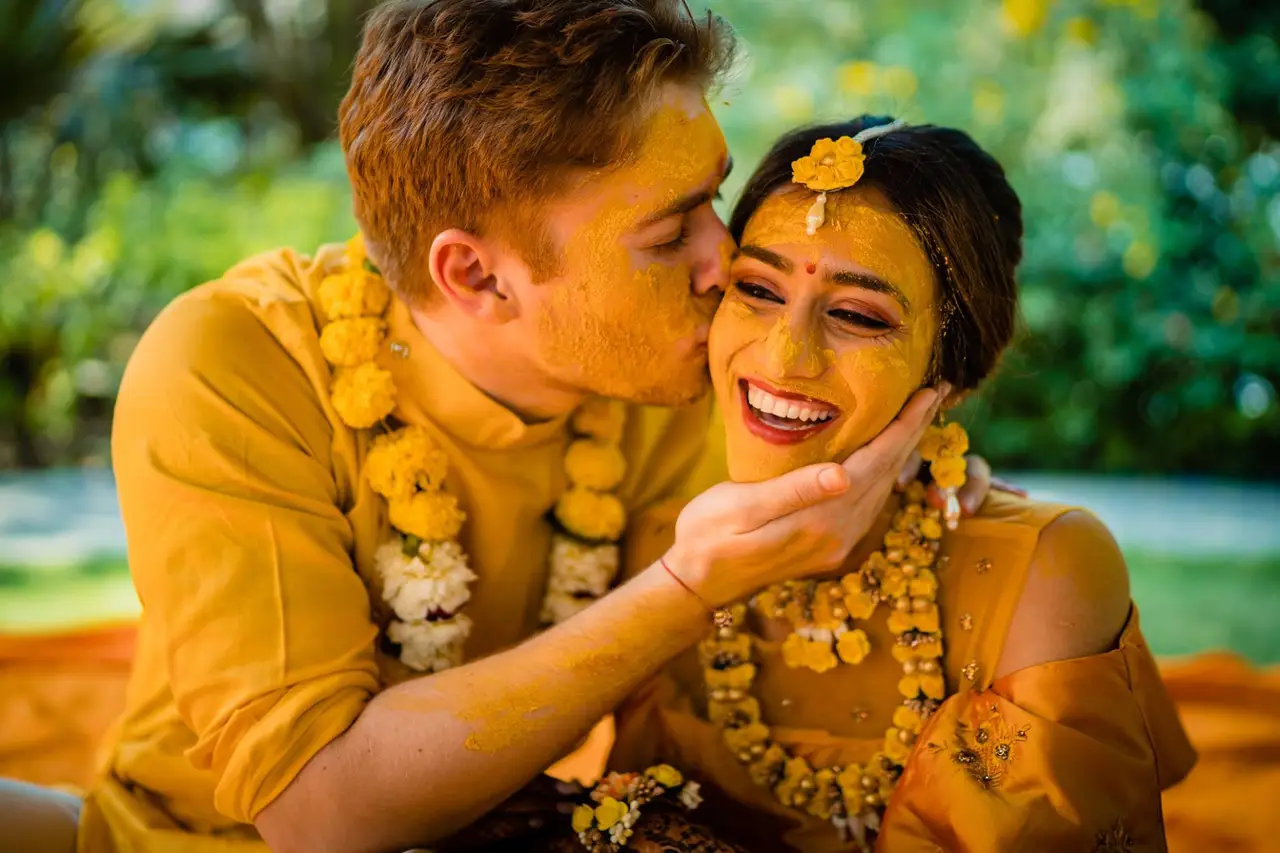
(469, 113)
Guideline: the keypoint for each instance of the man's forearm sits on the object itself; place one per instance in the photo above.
(431, 755)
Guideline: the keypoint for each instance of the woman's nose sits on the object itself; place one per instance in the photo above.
(794, 350)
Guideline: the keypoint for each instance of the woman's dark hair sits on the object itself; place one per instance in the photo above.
(967, 218)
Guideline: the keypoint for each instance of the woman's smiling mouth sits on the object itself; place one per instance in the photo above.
(781, 417)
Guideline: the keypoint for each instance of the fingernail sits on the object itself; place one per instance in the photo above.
(944, 388)
(833, 479)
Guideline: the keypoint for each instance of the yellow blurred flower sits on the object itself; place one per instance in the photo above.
(735, 677)
(859, 78)
(943, 442)
(853, 646)
(818, 656)
(900, 82)
(794, 103)
(363, 395)
(893, 582)
(1104, 208)
(595, 464)
(665, 775)
(355, 252)
(793, 650)
(431, 516)
(609, 812)
(1024, 17)
(894, 747)
(949, 473)
(1082, 30)
(404, 461)
(591, 515)
(353, 293)
(925, 584)
(860, 605)
(582, 817)
(350, 341)
(905, 718)
(720, 712)
(988, 102)
(600, 418)
(1139, 260)
(831, 165)
(743, 738)
(930, 528)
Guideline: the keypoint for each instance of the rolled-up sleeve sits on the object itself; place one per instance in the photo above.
(239, 549)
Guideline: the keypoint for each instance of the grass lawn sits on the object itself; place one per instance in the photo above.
(1188, 604)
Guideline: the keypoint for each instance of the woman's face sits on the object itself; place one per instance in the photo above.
(820, 340)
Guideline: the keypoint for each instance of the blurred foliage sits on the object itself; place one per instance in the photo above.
(152, 145)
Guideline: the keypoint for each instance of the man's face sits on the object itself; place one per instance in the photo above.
(643, 261)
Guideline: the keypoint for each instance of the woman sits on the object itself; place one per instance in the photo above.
(985, 688)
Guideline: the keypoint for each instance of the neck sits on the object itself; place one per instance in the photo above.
(515, 385)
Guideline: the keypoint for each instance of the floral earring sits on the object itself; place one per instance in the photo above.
(944, 447)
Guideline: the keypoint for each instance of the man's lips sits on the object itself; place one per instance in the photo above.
(782, 417)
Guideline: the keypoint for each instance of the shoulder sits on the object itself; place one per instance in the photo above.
(243, 344)
(664, 447)
(1075, 600)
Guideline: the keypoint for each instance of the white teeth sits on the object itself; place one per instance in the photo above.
(768, 404)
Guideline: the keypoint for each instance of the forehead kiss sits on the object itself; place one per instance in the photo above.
(822, 337)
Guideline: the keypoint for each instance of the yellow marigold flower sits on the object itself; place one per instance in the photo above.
(852, 583)
(930, 528)
(352, 340)
(431, 516)
(609, 812)
(823, 787)
(353, 293)
(909, 686)
(595, 464)
(355, 252)
(944, 442)
(719, 712)
(934, 686)
(915, 492)
(793, 650)
(739, 644)
(665, 775)
(894, 747)
(582, 817)
(897, 539)
(404, 461)
(818, 656)
(860, 605)
(929, 649)
(591, 515)
(600, 418)
(921, 556)
(831, 165)
(733, 678)
(926, 620)
(949, 473)
(905, 718)
(761, 771)
(925, 583)
(853, 646)
(894, 582)
(900, 622)
(363, 395)
(745, 737)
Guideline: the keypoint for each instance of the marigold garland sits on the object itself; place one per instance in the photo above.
(822, 615)
(424, 570)
(607, 827)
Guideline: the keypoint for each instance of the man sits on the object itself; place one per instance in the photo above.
(534, 181)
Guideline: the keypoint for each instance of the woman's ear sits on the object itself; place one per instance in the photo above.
(464, 268)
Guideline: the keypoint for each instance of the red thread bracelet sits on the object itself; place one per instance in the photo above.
(720, 615)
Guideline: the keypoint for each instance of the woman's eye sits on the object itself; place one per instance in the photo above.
(755, 291)
(855, 318)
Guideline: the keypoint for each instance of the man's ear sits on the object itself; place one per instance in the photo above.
(464, 269)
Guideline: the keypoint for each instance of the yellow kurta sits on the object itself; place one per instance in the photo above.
(1102, 738)
(251, 538)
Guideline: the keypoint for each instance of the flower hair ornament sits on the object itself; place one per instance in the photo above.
(834, 165)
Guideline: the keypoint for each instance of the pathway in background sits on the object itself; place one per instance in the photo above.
(61, 518)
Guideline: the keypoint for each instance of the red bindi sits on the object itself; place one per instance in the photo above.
(811, 268)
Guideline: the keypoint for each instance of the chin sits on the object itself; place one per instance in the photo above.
(680, 385)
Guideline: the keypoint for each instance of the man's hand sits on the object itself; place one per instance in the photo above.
(736, 538)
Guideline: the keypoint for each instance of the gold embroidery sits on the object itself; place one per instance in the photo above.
(966, 622)
(984, 566)
(985, 752)
(971, 670)
(1115, 840)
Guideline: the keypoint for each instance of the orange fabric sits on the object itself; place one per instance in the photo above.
(1229, 803)
(59, 695)
(1114, 712)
